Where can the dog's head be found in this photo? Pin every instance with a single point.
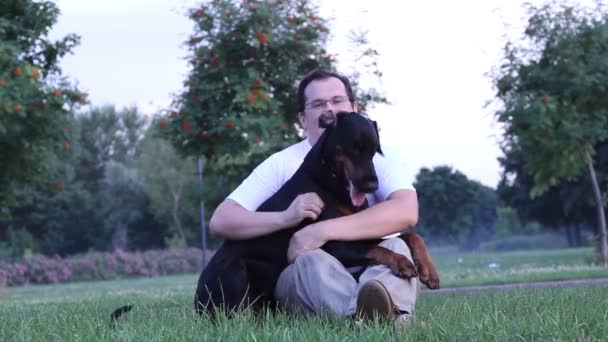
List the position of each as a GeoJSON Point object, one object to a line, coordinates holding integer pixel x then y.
{"type": "Point", "coordinates": [349, 144]}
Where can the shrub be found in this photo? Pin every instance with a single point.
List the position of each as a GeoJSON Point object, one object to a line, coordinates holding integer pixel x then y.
{"type": "Point", "coordinates": [93, 266]}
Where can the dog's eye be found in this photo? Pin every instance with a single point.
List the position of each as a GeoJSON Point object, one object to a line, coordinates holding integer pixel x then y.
{"type": "Point", "coordinates": [358, 147]}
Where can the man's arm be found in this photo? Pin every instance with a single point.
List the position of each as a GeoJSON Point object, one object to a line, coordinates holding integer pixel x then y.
{"type": "Point", "coordinates": [399, 212]}
{"type": "Point", "coordinates": [230, 220]}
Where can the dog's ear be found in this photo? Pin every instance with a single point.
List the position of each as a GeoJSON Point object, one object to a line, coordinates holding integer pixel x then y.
{"type": "Point", "coordinates": [327, 120]}
{"type": "Point", "coordinates": [379, 149]}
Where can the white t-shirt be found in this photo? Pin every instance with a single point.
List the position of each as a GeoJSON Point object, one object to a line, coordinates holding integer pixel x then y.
{"type": "Point", "coordinates": [271, 174]}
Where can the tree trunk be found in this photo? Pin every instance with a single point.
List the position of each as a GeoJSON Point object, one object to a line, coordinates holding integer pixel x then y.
{"type": "Point", "coordinates": [603, 242]}
{"type": "Point", "coordinates": [570, 235]}
{"type": "Point", "coordinates": [578, 239]}
{"type": "Point", "coordinates": [201, 165]}
{"type": "Point", "coordinates": [119, 237]}
{"type": "Point", "coordinates": [176, 220]}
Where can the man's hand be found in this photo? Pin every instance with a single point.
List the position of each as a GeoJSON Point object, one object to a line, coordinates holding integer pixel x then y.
{"type": "Point", "coordinates": [304, 240]}
{"type": "Point", "coordinates": [305, 206]}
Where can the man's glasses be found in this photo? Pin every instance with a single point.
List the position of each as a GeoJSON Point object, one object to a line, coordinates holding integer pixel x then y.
{"type": "Point", "coordinates": [318, 104]}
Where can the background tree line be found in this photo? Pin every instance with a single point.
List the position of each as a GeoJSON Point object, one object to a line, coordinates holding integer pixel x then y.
{"type": "Point", "coordinates": [104, 179]}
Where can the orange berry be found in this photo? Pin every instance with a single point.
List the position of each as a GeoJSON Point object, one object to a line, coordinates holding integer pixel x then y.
{"type": "Point", "coordinates": [17, 72]}
{"type": "Point", "coordinates": [186, 126]}
{"type": "Point", "coordinates": [57, 92]}
{"type": "Point", "coordinates": [215, 61]}
{"type": "Point", "coordinates": [35, 73]}
{"type": "Point", "coordinates": [17, 107]}
{"type": "Point", "coordinates": [261, 37]}
{"type": "Point", "coordinates": [545, 99]}
{"type": "Point", "coordinates": [57, 185]}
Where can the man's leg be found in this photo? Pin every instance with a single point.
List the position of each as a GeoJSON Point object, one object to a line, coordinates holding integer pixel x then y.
{"type": "Point", "coordinates": [403, 292]}
{"type": "Point", "coordinates": [316, 282]}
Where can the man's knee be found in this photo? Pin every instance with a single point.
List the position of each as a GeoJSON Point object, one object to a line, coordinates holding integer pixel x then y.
{"type": "Point", "coordinates": [313, 258]}
{"type": "Point", "coordinates": [397, 245]}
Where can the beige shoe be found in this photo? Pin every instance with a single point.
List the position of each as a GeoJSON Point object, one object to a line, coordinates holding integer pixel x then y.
{"type": "Point", "coordinates": [374, 300]}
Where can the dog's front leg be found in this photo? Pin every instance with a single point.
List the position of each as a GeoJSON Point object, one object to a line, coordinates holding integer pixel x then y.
{"type": "Point", "coordinates": [427, 272]}
{"type": "Point", "coordinates": [399, 264]}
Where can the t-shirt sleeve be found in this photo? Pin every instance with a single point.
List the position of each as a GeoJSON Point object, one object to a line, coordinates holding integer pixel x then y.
{"type": "Point", "coordinates": [262, 183]}
{"type": "Point", "coordinates": [393, 174]}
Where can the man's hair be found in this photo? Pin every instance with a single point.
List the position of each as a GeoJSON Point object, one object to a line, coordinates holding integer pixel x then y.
{"type": "Point", "coordinates": [321, 74]}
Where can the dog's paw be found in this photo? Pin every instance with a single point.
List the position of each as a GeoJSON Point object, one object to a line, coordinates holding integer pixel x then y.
{"type": "Point", "coordinates": [429, 277]}
{"type": "Point", "coordinates": [403, 267]}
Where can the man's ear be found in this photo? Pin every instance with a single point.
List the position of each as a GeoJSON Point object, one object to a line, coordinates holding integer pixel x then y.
{"type": "Point", "coordinates": [379, 149]}
{"type": "Point", "coordinates": [301, 118]}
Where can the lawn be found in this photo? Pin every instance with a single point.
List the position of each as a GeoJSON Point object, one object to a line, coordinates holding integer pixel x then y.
{"type": "Point", "coordinates": [464, 269]}
{"type": "Point", "coordinates": [163, 309]}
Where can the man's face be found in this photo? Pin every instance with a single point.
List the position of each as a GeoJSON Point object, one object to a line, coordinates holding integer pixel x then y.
{"type": "Point", "coordinates": [323, 96]}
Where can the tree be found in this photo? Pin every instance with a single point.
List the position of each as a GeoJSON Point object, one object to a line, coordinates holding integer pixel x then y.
{"type": "Point", "coordinates": [239, 101]}
{"type": "Point", "coordinates": [105, 135]}
{"type": "Point", "coordinates": [169, 178]}
{"type": "Point", "coordinates": [552, 88]}
{"type": "Point", "coordinates": [35, 101]}
{"type": "Point", "coordinates": [123, 200]}
{"type": "Point", "coordinates": [82, 209]}
{"type": "Point", "coordinates": [483, 217]}
{"type": "Point", "coordinates": [568, 205]}
{"type": "Point", "coordinates": [454, 208]}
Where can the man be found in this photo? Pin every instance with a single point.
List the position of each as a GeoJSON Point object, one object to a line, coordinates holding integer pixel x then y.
{"type": "Point", "coordinates": [315, 281]}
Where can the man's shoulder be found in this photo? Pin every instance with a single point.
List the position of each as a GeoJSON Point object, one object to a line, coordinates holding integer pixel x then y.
{"type": "Point", "coordinates": [296, 151]}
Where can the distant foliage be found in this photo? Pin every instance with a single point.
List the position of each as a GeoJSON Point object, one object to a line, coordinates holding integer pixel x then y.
{"type": "Point", "coordinates": [100, 266]}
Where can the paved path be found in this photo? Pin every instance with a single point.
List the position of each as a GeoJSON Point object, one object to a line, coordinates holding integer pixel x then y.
{"type": "Point", "coordinates": [543, 284]}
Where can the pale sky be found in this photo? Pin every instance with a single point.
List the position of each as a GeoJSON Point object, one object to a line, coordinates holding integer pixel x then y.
{"type": "Point", "coordinates": [433, 55]}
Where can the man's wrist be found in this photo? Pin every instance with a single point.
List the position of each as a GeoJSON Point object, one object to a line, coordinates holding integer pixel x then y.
{"type": "Point", "coordinates": [284, 220]}
{"type": "Point", "coordinates": [321, 231]}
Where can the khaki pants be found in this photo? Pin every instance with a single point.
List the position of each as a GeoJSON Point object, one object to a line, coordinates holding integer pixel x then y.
{"type": "Point", "coordinates": [317, 282]}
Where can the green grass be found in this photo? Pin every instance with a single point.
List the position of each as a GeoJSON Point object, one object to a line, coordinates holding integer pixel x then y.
{"type": "Point", "coordinates": [163, 308]}
{"type": "Point", "coordinates": [465, 269]}
{"type": "Point", "coordinates": [163, 311]}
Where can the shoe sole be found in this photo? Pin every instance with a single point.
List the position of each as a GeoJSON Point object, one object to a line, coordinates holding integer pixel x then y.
{"type": "Point", "coordinates": [374, 300]}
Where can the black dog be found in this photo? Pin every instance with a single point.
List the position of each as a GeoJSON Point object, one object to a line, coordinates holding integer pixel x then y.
{"type": "Point", "coordinates": [340, 170]}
